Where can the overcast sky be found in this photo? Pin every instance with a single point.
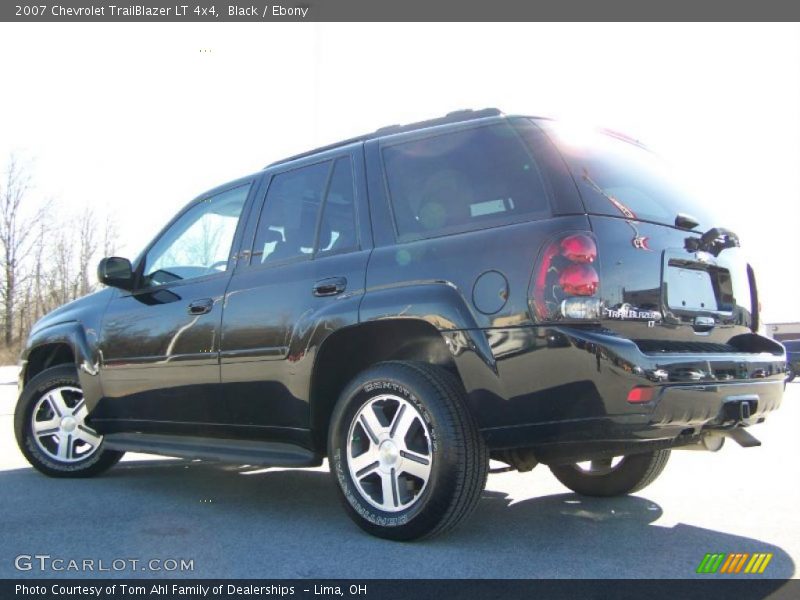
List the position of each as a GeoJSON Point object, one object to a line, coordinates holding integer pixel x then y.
{"type": "Point", "coordinates": [136, 119]}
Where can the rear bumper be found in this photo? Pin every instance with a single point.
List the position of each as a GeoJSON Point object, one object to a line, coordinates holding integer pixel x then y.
{"type": "Point", "coordinates": [562, 388]}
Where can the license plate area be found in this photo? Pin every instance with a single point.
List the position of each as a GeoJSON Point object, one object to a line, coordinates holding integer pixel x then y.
{"type": "Point", "coordinates": [698, 287]}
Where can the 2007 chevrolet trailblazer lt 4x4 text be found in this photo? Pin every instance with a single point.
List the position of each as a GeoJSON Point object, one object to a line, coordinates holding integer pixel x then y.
{"type": "Point", "coordinates": [409, 304]}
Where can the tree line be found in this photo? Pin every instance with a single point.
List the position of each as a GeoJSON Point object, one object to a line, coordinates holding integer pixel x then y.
{"type": "Point", "coordinates": [47, 255]}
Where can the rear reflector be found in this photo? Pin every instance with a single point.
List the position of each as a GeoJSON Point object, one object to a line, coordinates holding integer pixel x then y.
{"type": "Point", "coordinates": [641, 394]}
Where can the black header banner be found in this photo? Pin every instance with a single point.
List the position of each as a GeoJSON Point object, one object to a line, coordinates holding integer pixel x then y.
{"type": "Point", "coordinates": [400, 10]}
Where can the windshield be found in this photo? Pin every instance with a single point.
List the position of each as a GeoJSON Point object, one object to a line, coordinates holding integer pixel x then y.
{"type": "Point", "coordinates": [620, 178]}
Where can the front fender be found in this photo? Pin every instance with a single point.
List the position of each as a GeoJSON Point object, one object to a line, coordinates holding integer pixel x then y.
{"type": "Point", "coordinates": [82, 343]}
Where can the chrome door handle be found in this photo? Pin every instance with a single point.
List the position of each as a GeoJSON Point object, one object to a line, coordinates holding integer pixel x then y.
{"type": "Point", "coordinates": [201, 307]}
{"type": "Point", "coordinates": [330, 286]}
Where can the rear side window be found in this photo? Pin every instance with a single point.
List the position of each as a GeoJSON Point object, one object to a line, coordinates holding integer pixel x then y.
{"type": "Point", "coordinates": [461, 181]}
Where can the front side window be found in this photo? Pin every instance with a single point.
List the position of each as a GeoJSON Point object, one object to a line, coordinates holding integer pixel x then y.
{"type": "Point", "coordinates": [199, 242]}
{"type": "Point", "coordinates": [465, 180]}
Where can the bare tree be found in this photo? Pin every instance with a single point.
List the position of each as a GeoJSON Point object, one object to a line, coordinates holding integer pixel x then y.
{"type": "Point", "coordinates": [38, 272]}
{"type": "Point", "coordinates": [110, 235]}
{"type": "Point", "coordinates": [46, 258]}
{"type": "Point", "coordinates": [87, 247]}
{"type": "Point", "coordinates": [16, 229]}
{"type": "Point", "coordinates": [64, 281]}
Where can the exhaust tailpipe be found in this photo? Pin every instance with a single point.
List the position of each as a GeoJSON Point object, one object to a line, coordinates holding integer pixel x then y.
{"type": "Point", "coordinates": [711, 442]}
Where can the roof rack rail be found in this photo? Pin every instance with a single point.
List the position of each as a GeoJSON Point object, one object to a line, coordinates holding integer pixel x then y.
{"type": "Point", "coordinates": [622, 136]}
{"type": "Point", "coordinates": [452, 117]}
{"type": "Point", "coordinates": [457, 116]}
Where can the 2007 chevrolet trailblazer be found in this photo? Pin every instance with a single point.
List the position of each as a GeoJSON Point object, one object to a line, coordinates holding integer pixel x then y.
{"type": "Point", "coordinates": [409, 304]}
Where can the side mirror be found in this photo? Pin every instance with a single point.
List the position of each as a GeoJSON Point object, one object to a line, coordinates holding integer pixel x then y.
{"type": "Point", "coordinates": [116, 272]}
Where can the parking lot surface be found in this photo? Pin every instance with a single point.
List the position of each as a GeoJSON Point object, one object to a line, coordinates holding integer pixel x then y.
{"type": "Point", "coordinates": [236, 521]}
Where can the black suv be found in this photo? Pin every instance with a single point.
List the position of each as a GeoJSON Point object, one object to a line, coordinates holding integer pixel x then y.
{"type": "Point", "coordinates": [410, 304]}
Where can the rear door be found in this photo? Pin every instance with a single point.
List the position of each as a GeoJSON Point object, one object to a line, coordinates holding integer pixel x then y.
{"type": "Point", "coordinates": [300, 277]}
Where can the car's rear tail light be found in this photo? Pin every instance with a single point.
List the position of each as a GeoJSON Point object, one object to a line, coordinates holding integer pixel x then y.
{"type": "Point", "coordinates": [579, 248]}
{"type": "Point", "coordinates": [566, 282]}
{"type": "Point", "coordinates": [579, 280]}
{"type": "Point", "coordinates": [641, 394]}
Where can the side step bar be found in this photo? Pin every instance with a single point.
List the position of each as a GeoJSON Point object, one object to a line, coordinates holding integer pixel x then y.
{"type": "Point", "coordinates": [272, 454]}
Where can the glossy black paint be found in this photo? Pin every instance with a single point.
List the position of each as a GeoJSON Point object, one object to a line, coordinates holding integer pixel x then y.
{"type": "Point", "coordinates": [261, 352]}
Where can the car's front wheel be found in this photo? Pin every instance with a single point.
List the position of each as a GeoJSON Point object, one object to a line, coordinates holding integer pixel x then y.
{"type": "Point", "coordinates": [51, 428]}
{"type": "Point", "coordinates": [405, 452]}
{"type": "Point", "coordinates": [612, 476]}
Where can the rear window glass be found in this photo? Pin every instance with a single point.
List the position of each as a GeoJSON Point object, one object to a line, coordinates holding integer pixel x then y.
{"type": "Point", "coordinates": [620, 178]}
{"type": "Point", "coordinates": [464, 180]}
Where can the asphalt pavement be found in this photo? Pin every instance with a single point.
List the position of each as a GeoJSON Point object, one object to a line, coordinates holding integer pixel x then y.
{"type": "Point", "coordinates": [234, 521]}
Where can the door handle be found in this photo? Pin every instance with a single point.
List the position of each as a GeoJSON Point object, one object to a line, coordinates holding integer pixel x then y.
{"type": "Point", "coordinates": [201, 307]}
{"type": "Point", "coordinates": [330, 286]}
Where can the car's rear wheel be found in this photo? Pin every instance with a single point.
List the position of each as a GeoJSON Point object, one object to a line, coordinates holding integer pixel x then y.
{"type": "Point", "coordinates": [612, 476]}
{"type": "Point", "coordinates": [790, 374]}
{"type": "Point", "coordinates": [51, 428]}
{"type": "Point", "coordinates": [405, 452]}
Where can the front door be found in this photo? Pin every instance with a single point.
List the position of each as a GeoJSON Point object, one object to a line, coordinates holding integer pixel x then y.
{"type": "Point", "coordinates": [159, 344]}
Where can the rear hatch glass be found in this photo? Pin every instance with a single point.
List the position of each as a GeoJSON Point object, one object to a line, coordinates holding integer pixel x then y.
{"type": "Point", "coordinates": [619, 177]}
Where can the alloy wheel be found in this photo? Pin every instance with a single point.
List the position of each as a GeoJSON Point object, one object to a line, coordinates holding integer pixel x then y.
{"type": "Point", "coordinates": [389, 453]}
{"type": "Point", "coordinates": [59, 428]}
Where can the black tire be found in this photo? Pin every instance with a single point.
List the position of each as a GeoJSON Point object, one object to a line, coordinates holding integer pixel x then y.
{"type": "Point", "coordinates": [631, 474]}
{"type": "Point", "coordinates": [459, 460]}
{"type": "Point", "coordinates": [790, 375]}
{"type": "Point", "coordinates": [97, 461]}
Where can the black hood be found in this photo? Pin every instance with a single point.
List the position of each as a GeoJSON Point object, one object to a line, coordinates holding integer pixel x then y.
{"type": "Point", "coordinates": [75, 310]}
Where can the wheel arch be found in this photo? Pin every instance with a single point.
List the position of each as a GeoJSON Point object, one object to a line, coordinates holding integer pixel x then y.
{"type": "Point", "coordinates": [46, 355]}
{"type": "Point", "coordinates": [337, 363]}
{"type": "Point", "coordinates": [64, 343]}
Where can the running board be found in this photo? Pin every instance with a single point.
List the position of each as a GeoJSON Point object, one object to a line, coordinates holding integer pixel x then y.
{"type": "Point", "coordinates": [250, 452]}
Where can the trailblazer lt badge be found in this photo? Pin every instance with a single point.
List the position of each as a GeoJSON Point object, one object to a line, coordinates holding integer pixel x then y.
{"type": "Point", "coordinates": [628, 312]}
